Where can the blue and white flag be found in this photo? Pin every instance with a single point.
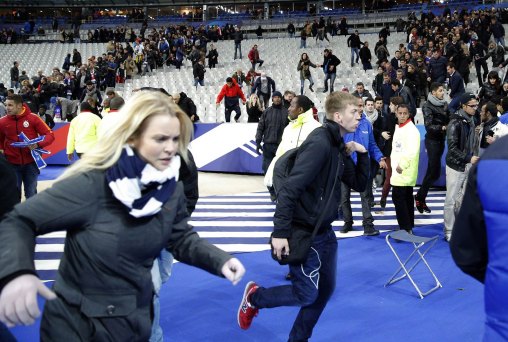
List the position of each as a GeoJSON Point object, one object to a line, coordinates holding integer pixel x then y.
{"type": "Point", "coordinates": [36, 152]}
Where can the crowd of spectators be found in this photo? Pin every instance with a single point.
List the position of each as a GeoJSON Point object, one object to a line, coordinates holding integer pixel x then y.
{"type": "Point", "coordinates": [433, 43]}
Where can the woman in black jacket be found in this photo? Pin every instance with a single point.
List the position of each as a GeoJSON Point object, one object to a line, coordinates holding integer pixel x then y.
{"type": "Point", "coordinates": [123, 205]}
{"type": "Point", "coordinates": [490, 88]}
{"type": "Point", "coordinates": [254, 108]}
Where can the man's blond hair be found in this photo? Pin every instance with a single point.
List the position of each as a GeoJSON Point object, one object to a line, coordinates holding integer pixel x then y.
{"type": "Point", "coordinates": [338, 102]}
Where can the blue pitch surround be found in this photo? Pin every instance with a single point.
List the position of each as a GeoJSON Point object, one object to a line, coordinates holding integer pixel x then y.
{"type": "Point", "coordinates": [199, 307]}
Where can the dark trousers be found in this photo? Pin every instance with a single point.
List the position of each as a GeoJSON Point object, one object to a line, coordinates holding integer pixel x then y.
{"type": "Point", "coordinates": [257, 61]}
{"type": "Point", "coordinates": [435, 150]}
{"type": "Point", "coordinates": [238, 48]}
{"type": "Point", "coordinates": [268, 155]}
{"type": "Point", "coordinates": [27, 175]}
{"type": "Point", "coordinates": [5, 334]}
{"type": "Point", "coordinates": [236, 109]}
{"type": "Point", "coordinates": [312, 285]}
{"type": "Point", "coordinates": [402, 197]}
{"type": "Point", "coordinates": [345, 204]}
{"type": "Point", "coordinates": [479, 65]}
{"type": "Point", "coordinates": [388, 175]}
{"type": "Point", "coordinates": [374, 166]}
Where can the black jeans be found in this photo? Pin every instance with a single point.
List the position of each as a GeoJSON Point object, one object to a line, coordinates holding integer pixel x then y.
{"type": "Point", "coordinates": [268, 155]}
{"type": "Point", "coordinates": [435, 150]}
{"type": "Point", "coordinates": [479, 65]}
{"type": "Point", "coordinates": [402, 197]}
{"type": "Point", "coordinates": [236, 109]}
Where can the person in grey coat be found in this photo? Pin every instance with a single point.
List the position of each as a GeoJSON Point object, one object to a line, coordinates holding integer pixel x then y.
{"type": "Point", "coordinates": [121, 204]}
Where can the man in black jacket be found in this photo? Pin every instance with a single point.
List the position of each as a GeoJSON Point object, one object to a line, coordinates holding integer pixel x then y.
{"type": "Point", "coordinates": [436, 117]}
{"type": "Point", "coordinates": [461, 154]}
{"type": "Point", "coordinates": [198, 71]}
{"type": "Point", "coordinates": [477, 50]}
{"type": "Point", "coordinates": [330, 64]}
{"type": "Point", "coordinates": [456, 85]}
{"type": "Point", "coordinates": [312, 189]}
{"type": "Point", "coordinates": [238, 37]}
{"type": "Point", "coordinates": [270, 128]}
{"type": "Point", "coordinates": [354, 43]}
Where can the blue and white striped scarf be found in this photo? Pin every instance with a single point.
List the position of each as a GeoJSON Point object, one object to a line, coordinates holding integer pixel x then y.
{"type": "Point", "coordinates": [139, 186]}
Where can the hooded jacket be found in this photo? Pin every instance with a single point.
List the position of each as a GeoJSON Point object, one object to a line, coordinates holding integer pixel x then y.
{"type": "Point", "coordinates": [478, 243]}
{"type": "Point", "coordinates": [293, 136]}
{"type": "Point", "coordinates": [30, 124]}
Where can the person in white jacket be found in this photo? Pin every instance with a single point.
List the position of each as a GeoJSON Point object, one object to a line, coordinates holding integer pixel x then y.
{"type": "Point", "coordinates": [301, 124]}
{"type": "Point", "coordinates": [404, 158]}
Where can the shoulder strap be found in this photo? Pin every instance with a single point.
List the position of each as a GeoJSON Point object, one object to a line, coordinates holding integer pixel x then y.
{"type": "Point", "coordinates": [323, 212]}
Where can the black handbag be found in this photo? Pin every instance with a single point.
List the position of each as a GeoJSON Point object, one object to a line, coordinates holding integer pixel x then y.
{"type": "Point", "coordinates": [301, 240]}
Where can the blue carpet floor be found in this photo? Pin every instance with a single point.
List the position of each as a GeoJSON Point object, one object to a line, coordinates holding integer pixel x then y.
{"type": "Point", "coordinates": [196, 306]}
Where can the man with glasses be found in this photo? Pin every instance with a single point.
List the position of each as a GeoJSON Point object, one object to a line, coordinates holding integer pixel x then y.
{"type": "Point", "coordinates": [462, 153]}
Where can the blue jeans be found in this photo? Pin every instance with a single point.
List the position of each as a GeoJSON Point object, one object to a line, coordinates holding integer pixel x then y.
{"type": "Point", "coordinates": [355, 51]}
{"type": "Point", "coordinates": [312, 285]}
{"type": "Point", "coordinates": [330, 77]}
{"type": "Point", "coordinates": [303, 43]}
{"type": "Point", "coordinates": [499, 41]}
{"type": "Point", "coordinates": [200, 82]}
{"type": "Point", "coordinates": [302, 83]}
{"type": "Point", "coordinates": [238, 47]}
{"type": "Point", "coordinates": [161, 271]}
{"type": "Point", "coordinates": [27, 175]}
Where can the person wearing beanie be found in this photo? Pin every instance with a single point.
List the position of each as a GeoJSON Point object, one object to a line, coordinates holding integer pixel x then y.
{"type": "Point", "coordinates": [263, 87]}
{"type": "Point", "coordinates": [270, 128]}
{"type": "Point", "coordinates": [231, 92]}
{"type": "Point", "coordinates": [462, 153]}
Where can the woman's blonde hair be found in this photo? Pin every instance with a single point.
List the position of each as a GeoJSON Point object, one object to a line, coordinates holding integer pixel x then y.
{"type": "Point", "coordinates": [131, 122]}
{"type": "Point", "coordinates": [254, 98]}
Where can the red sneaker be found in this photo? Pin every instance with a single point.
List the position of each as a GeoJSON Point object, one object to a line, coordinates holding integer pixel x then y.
{"type": "Point", "coordinates": [246, 312]}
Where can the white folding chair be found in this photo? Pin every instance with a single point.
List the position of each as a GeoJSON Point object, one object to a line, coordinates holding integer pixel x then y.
{"type": "Point", "coordinates": [422, 245]}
